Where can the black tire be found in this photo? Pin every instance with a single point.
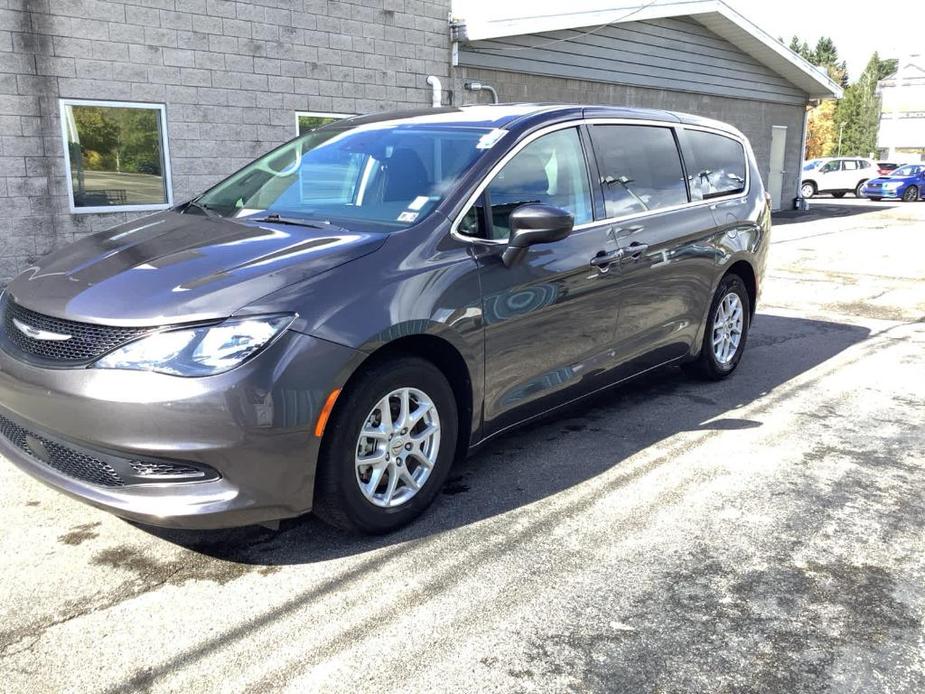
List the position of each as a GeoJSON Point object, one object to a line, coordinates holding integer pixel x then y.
{"type": "Point", "coordinates": [838, 195]}
{"type": "Point", "coordinates": [338, 499]}
{"type": "Point", "coordinates": [911, 194]}
{"type": "Point", "coordinates": [857, 189]}
{"type": "Point", "coordinates": [808, 189]}
{"type": "Point", "coordinates": [706, 366]}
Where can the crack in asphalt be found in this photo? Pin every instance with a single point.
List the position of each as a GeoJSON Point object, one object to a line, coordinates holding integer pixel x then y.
{"type": "Point", "coordinates": [37, 631]}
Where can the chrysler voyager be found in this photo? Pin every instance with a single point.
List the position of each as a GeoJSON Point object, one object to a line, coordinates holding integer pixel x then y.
{"type": "Point", "coordinates": [329, 328]}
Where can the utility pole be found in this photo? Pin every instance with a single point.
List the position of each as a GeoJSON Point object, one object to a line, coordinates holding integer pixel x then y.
{"type": "Point", "coordinates": [838, 149]}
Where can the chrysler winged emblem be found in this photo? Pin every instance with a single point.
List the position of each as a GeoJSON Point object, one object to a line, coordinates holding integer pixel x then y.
{"type": "Point", "coordinates": [37, 334]}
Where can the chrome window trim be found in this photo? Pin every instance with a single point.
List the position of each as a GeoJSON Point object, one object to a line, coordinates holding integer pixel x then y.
{"type": "Point", "coordinates": [454, 232]}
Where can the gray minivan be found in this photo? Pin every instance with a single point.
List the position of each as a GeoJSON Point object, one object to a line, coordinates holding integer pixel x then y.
{"type": "Point", "coordinates": [330, 327]}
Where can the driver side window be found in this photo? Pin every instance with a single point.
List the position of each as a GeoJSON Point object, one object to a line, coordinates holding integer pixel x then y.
{"type": "Point", "coordinates": [550, 170]}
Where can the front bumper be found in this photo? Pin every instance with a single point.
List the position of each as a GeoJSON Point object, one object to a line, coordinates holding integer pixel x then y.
{"type": "Point", "coordinates": [882, 192]}
{"type": "Point", "coordinates": [253, 425]}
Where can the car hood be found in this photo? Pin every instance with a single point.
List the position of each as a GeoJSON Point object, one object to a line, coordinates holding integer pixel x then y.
{"type": "Point", "coordinates": [887, 179]}
{"type": "Point", "coordinates": [173, 267]}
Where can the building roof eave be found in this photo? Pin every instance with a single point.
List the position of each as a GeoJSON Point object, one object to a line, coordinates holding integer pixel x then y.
{"type": "Point", "coordinates": [715, 15]}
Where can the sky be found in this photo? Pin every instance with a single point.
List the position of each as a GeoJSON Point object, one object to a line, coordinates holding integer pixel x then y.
{"type": "Point", "coordinates": [856, 33]}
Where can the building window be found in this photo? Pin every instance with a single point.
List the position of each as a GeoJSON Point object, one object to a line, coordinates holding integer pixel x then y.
{"type": "Point", "coordinates": [116, 156]}
{"type": "Point", "coordinates": [305, 120]}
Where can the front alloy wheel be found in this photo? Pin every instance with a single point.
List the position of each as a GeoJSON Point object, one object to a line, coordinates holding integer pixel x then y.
{"type": "Point", "coordinates": [388, 446]}
{"type": "Point", "coordinates": [807, 190]}
{"type": "Point", "coordinates": [397, 447]}
{"type": "Point", "coordinates": [911, 194]}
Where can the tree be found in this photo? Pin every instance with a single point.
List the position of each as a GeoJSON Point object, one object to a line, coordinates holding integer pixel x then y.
{"type": "Point", "coordinates": [822, 131]}
{"type": "Point", "coordinates": [825, 55]}
{"type": "Point", "coordinates": [802, 49]}
{"type": "Point", "coordinates": [858, 115]}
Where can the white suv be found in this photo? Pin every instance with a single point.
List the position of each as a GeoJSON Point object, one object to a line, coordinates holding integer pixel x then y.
{"type": "Point", "coordinates": [836, 176]}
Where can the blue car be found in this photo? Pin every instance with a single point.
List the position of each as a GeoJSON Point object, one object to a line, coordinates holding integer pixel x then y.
{"type": "Point", "coordinates": [906, 183]}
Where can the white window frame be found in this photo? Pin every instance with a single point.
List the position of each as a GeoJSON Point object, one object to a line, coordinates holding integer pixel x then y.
{"type": "Point", "coordinates": [318, 114]}
{"type": "Point", "coordinates": [165, 155]}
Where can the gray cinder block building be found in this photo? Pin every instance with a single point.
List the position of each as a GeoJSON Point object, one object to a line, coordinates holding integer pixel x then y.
{"type": "Point", "coordinates": [112, 109]}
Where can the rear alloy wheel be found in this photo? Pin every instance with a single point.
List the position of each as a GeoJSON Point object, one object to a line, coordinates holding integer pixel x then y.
{"type": "Point", "coordinates": [725, 332]}
{"type": "Point", "coordinates": [388, 446]}
{"type": "Point", "coordinates": [808, 190]}
{"type": "Point", "coordinates": [857, 189]}
{"type": "Point", "coordinates": [911, 194]}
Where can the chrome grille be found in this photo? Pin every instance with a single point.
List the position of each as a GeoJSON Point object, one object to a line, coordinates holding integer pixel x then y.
{"type": "Point", "coordinates": [144, 468]}
{"type": "Point", "coordinates": [87, 341]}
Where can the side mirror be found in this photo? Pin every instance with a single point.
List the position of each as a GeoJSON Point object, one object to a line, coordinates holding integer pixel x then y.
{"type": "Point", "coordinates": [535, 223]}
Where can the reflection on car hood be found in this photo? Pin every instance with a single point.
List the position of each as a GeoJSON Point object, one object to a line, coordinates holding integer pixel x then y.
{"type": "Point", "coordinates": [172, 268]}
{"type": "Point", "coordinates": [887, 179]}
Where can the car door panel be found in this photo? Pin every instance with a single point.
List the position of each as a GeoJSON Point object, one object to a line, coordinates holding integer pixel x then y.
{"type": "Point", "coordinates": [829, 177]}
{"type": "Point", "coordinates": [851, 174]}
{"type": "Point", "coordinates": [663, 275]}
{"type": "Point", "coordinates": [549, 317]}
{"type": "Point", "coordinates": [663, 290]}
{"type": "Point", "coordinates": [548, 323]}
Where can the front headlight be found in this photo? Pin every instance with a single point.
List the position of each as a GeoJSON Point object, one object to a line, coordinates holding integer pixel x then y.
{"type": "Point", "coordinates": [200, 351]}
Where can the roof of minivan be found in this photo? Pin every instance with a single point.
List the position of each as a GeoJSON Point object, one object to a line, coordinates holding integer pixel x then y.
{"type": "Point", "coordinates": [505, 115]}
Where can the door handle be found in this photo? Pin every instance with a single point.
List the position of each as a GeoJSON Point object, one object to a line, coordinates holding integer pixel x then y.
{"type": "Point", "coordinates": [605, 259]}
{"type": "Point", "coordinates": [634, 251]}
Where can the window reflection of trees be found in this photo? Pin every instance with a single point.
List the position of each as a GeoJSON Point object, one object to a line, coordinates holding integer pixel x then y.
{"type": "Point", "coordinates": [115, 155]}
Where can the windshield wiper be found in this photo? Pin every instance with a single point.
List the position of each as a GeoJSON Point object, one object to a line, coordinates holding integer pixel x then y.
{"type": "Point", "coordinates": [205, 209]}
{"type": "Point", "coordinates": [295, 221]}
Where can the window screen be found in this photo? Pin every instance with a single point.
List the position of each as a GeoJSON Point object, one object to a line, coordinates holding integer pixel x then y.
{"type": "Point", "coordinates": [718, 167]}
{"type": "Point", "coordinates": [640, 168]}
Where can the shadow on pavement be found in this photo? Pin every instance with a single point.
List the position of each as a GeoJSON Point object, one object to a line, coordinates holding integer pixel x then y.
{"type": "Point", "coordinates": [819, 209]}
{"type": "Point", "coordinates": [561, 451]}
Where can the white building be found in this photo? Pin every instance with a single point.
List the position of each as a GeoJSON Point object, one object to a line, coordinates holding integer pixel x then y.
{"type": "Point", "coordinates": [902, 112]}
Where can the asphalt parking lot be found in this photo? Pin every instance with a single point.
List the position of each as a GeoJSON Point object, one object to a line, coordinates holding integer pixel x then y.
{"type": "Point", "coordinates": [766, 533]}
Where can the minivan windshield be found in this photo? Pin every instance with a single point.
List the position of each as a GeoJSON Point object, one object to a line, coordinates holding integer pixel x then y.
{"type": "Point", "coordinates": [382, 175]}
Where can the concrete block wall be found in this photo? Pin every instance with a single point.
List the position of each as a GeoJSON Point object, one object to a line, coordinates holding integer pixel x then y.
{"type": "Point", "coordinates": [232, 76]}
{"type": "Point", "coordinates": [753, 118]}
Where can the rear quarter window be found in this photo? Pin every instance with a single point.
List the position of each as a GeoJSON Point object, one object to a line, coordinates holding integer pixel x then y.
{"type": "Point", "coordinates": [718, 166]}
